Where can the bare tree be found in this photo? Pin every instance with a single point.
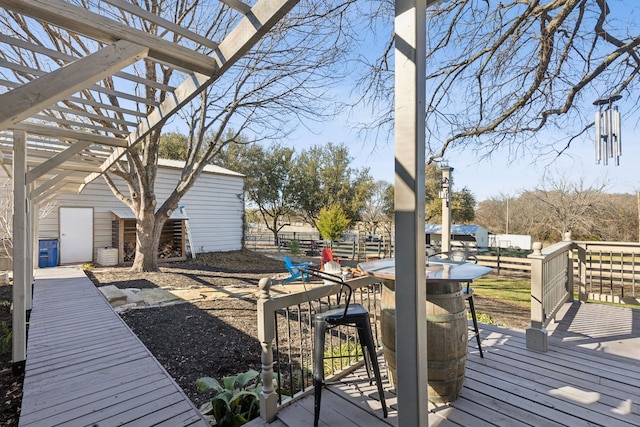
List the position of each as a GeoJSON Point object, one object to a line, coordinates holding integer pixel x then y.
{"type": "Point", "coordinates": [498, 73]}
{"type": "Point", "coordinates": [6, 215]}
{"type": "Point", "coordinates": [378, 210]}
{"type": "Point", "coordinates": [267, 92]}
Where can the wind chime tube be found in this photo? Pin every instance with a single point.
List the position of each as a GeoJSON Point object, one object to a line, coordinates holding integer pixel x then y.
{"type": "Point", "coordinates": [617, 122]}
{"type": "Point", "coordinates": [611, 140]}
{"type": "Point", "coordinates": [598, 139]}
{"type": "Point", "coordinates": [604, 138]}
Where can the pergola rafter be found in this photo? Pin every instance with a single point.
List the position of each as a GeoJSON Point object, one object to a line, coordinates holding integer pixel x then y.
{"type": "Point", "coordinates": [66, 119]}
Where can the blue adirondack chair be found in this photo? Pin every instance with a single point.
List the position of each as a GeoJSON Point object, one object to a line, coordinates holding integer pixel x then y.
{"type": "Point", "coordinates": [294, 271]}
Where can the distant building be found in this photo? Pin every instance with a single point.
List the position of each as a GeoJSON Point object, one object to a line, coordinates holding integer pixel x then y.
{"type": "Point", "coordinates": [511, 241]}
{"type": "Point", "coordinates": [469, 236]}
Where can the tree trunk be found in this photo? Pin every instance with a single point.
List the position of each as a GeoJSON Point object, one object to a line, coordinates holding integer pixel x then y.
{"type": "Point", "coordinates": [148, 231]}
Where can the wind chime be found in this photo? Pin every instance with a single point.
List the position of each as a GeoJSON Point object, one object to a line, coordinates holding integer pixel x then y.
{"type": "Point", "coordinates": [608, 138]}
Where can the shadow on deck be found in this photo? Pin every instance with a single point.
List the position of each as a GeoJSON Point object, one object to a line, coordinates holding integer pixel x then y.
{"type": "Point", "coordinates": [589, 377]}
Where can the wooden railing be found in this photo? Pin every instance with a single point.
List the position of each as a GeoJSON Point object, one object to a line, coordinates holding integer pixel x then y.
{"type": "Point", "coordinates": [551, 286]}
{"type": "Point", "coordinates": [361, 251]}
{"type": "Point", "coordinates": [285, 331]}
{"type": "Point", "coordinates": [610, 271]}
{"type": "Point", "coordinates": [506, 264]}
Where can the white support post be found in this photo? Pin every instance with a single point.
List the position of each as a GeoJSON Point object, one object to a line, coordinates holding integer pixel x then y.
{"type": "Point", "coordinates": [410, 98]}
{"type": "Point", "coordinates": [19, 342]}
{"type": "Point", "coordinates": [29, 248]}
{"type": "Point", "coordinates": [446, 209]}
{"type": "Point", "coordinates": [582, 273]}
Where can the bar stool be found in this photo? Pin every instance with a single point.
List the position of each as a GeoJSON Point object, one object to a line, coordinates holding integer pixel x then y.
{"type": "Point", "coordinates": [347, 314]}
{"type": "Point", "coordinates": [462, 256]}
{"type": "Point", "coordinates": [468, 294]}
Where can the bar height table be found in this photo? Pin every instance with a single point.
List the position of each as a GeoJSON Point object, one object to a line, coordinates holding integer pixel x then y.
{"type": "Point", "coordinates": [447, 328]}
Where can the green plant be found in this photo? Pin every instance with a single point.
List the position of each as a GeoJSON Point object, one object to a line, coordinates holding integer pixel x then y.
{"type": "Point", "coordinates": [332, 222]}
{"type": "Point", "coordinates": [5, 338]}
{"type": "Point", "coordinates": [237, 399]}
{"type": "Point", "coordinates": [294, 247]}
{"type": "Point", "coordinates": [87, 266]}
{"type": "Point", "coordinates": [483, 318]}
{"type": "Point", "coordinates": [339, 357]}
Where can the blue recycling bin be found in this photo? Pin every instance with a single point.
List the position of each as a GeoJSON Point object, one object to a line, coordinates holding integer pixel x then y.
{"type": "Point", "coordinates": [47, 253]}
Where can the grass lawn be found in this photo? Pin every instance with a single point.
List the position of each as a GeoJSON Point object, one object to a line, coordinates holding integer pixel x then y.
{"type": "Point", "coordinates": [510, 289]}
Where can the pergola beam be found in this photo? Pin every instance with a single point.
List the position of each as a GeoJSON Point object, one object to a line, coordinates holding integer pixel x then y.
{"type": "Point", "coordinates": [66, 15]}
{"type": "Point", "coordinates": [50, 183]}
{"type": "Point", "coordinates": [56, 161]}
{"type": "Point", "coordinates": [33, 97]}
{"type": "Point", "coordinates": [264, 15]}
{"type": "Point", "coordinates": [69, 135]}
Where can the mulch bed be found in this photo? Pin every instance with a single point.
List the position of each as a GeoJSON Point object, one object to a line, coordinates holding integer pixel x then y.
{"type": "Point", "coordinates": [10, 385]}
{"type": "Point", "coordinates": [201, 338]}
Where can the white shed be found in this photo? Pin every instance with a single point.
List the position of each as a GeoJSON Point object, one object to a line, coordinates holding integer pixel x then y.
{"type": "Point", "coordinates": [84, 223]}
{"type": "Point", "coordinates": [516, 241]}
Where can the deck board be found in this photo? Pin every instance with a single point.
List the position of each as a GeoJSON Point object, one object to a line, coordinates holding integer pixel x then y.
{"type": "Point", "coordinates": [86, 367]}
{"type": "Point", "coordinates": [589, 377]}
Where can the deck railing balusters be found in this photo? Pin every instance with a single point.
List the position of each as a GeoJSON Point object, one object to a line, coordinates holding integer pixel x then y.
{"type": "Point", "coordinates": [603, 267]}
{"type": "Point", "coordinates": [273, 310]}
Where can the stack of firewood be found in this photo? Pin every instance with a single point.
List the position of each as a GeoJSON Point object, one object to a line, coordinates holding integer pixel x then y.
{"type": "Point", "coordinates": [129, 251]}
{"type": "Point", "coordinates": [167, 250]}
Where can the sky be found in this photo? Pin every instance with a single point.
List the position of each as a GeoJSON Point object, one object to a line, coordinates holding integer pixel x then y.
{"type": "Point", "coordinates": [498, 175]}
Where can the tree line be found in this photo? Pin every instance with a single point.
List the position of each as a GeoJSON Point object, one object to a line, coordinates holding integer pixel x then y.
{"type": "Point", "coordinates": [559, 205]}
{"type": "Point", "coordinates": [319, 186]}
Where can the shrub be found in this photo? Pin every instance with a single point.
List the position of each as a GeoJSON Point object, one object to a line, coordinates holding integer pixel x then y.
{"type": "Point", "coordinates": [237, 399]}
{"type": "Point", "coordinates": [332, 222]}
{"type": "Point", "coordinates": [294, 247]}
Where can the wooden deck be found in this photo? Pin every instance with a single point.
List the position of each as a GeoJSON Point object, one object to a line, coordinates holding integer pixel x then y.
{"type": "Point", "coordinates": [589, 377]}
{"type": "Point", "coordinates": [85, 367]}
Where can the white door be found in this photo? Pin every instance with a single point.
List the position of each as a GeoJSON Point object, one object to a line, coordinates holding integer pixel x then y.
{"type": "Point", "coordinates": [76, 235]}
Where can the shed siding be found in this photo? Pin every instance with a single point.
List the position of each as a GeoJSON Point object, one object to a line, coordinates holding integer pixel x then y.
{"type": "Point", "coordinates": [214, 206]}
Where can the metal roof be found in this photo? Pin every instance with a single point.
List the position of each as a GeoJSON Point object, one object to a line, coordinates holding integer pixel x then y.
{"type": "Point", "coordinates": [126, 213]}
{"type": "Point", "coordinates": [470, 229]}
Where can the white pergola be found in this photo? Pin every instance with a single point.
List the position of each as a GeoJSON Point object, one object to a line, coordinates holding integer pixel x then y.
{"type": "Point", "coordinates": [61, 127]}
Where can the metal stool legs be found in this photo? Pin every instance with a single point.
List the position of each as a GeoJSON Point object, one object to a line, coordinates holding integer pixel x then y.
{"type": "Point", "coordinates": [356, 316]}
{"type": "Point", "coordinates": [469, 296]}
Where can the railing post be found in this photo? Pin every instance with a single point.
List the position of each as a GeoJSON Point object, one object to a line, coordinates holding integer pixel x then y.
{"type": "Point", "coordinates": [266, 328]}
{"type": "Point", "coordinates": [582, 273]}
{"type": "Point", "coordinates": [536, 334]}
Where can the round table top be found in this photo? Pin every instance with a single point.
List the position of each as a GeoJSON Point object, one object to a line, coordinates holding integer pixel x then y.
{"type": "Point", "coordinates": [439, 269]}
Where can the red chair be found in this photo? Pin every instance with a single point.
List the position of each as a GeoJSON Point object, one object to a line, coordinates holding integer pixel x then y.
{"type": "Point", "coordinates": [326, 256]}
